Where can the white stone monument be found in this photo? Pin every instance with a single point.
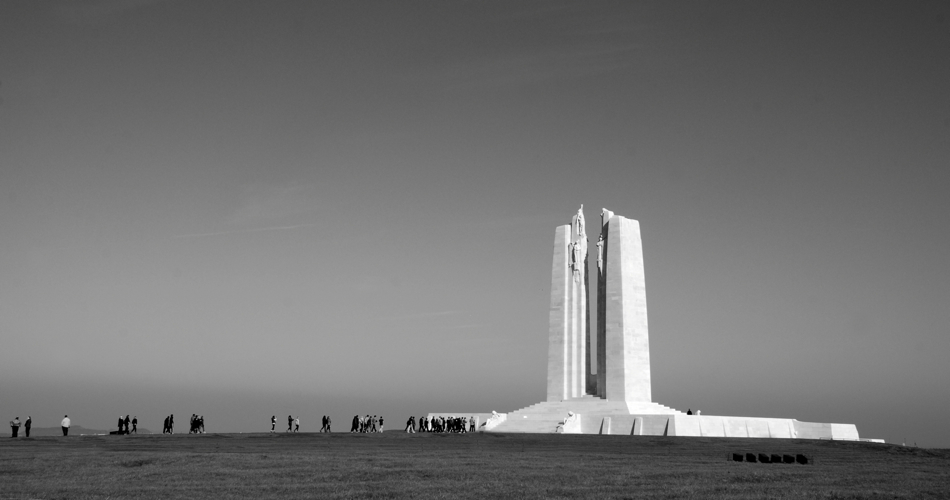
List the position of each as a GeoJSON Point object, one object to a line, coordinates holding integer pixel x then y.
{"type": "Point", "coordinates": [611, 394]}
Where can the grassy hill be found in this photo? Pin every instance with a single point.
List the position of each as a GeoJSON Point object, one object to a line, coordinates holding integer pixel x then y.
{"type": "Point", "coordinates": [477, 466]}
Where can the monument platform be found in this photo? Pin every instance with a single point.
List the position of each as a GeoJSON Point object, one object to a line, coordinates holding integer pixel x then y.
{"type": "Point", "coordinates": [601, 416]}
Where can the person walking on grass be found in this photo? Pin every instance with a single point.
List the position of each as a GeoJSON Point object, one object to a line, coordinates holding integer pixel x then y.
{"type": "Point", "coordinates": [273, 423]}
{"type": "Point", "coordinates": [290, 423]}
{"type": "Point", "coordinates": [297, 424]}
{"type": "Point", "coordinates": [65, 424]}
{"type": "Point", "coordinates": [135, 424]}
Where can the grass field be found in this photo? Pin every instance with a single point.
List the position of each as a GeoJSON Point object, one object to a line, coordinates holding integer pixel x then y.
{"type": "Point", "coordinates": [483, 466]}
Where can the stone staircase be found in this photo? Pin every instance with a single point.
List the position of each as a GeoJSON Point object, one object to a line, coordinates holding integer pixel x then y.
{"type": "Point", "coordinates": [545, 416]}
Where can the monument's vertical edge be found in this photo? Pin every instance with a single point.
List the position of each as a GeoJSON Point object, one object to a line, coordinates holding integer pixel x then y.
{"type": "Point", "coordinates": [558, 316]}
{"type": "Point", "coordinates": [627, 335]}
{"type": "Point", "coordinates": [601, 357]}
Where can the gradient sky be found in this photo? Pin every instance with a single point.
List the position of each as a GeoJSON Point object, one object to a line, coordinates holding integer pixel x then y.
{"type": "Point", "coordinates": [241, 209]}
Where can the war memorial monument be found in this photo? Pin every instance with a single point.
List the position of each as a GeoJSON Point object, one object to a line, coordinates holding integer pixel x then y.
{"type": "Point", "coordinates": [616, 397]}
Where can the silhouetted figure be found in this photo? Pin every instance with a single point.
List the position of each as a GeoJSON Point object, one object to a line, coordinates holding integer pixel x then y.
{"type": "Point", "coordinates": [273, 423]}
{"type": "Point", "coordinates": [290, 423]}
{"type": "Point", "coordinates": [165, 426]}
{"type": "Point", "coordinates": [65, 424]}
{"type": "Point", "coordinates": [15, 426]}
{"type": "Point", "coordinates": [27, 425]}
{"type": "Point", "coordinates": [135, 425]}
{"type": "Point", "coordinates": [297, 424]}
{"type": "Point", "coordinates": [356, 424]}
{"type": "Point", "coordinates": [689, 412]}
{"type": "Point", "coordinates": [126, 421]}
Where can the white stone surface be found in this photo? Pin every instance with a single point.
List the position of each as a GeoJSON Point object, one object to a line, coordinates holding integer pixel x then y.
{"type": "Point", "coordinates": [627, 337]}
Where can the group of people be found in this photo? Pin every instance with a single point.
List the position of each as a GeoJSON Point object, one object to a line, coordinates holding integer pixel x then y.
{"type": "Point", "coordinates": [169, 426]}
{"type": "Point", "coordinates": [197, 424]}
{"type": "Point", "coordinates": [28, 423]}
{"type": "Point", "coordinates": [453, 424]}
{"type": "Point", "coordinates": [293, 424]}
{"type": "Point", "coordinates": [124, 425]}
{"type": "Point", "coordinates": [15, 426]}
{"type": "Point", "coordinates": [367, 424]}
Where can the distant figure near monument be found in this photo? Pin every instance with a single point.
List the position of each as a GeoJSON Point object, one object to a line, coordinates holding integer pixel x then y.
{"type": "Point", "coordinates": [610, 391]}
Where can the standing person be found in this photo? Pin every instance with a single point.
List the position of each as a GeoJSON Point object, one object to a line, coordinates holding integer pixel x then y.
{"type": "Point", "coordinates": [121, 420]}
{"type": "Point", "coordinates": [356, 424]}
{"type": "Point", "coordinates": [323, 424]}
{"type": "Point", "coordinates": [328, 423]}
{"type": "Point", "coordinates": [135, 425]}
{"type": "Point", "coordinates": [171, 423]}
{"type": "Point", "coordinates": [15, 426]}
{"type": "Point", "coordinates": [127, 420]}
{"type": "Point", "coordinates": [273, 423]}
{"type": "Point", "coordinates": [411, 425]}
{"type": "Point", "coordinates": [27, 425]}
{"type": "Point", "coordinates": [380, 424]}
{"type": "Point", "coordinates": [165, 426]}
{"type": "Point", "coordinates": [297, 424]}
{"type": "Point", "coordinates": [66, 423]}
{"type": "Point", "coordinates": [201, 423]}
{"type": "Point", "coordinates": [471, 424]}
{"type": "Point", "coordinates": [290, 423]}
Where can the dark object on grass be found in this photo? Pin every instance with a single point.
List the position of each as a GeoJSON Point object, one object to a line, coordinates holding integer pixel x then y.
{"type": "Point", "coordinates": [737, 457]}
{"type": "Point", "coordinates": [750, 457]}
{"type": "Point", "coordinates": [802, 459]}
{"type": "Point", "coordinates": [776, 459]}
{"type": "Point", "coordinates": [764, 458]}
{"type": "Point", "coordinates": [788, 459]}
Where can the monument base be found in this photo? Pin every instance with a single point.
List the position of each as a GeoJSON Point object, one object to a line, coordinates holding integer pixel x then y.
{"type": "Point", "coordinates": [601, 416]}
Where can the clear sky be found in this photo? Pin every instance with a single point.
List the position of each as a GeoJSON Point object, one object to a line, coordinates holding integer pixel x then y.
{"type": "Point", "coordinates": [246, 209]}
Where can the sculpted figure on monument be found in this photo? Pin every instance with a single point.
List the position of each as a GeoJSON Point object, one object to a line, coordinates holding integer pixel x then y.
{"type": "Point", "coordinates": [580, 221]}
{"type": "Point", "coordinates": [577, 259]}
{"type": "Point", "coordinates": [600, 254]}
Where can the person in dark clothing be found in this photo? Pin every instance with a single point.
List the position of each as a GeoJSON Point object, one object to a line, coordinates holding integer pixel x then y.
{"type": "Point", "coordinates": [689, 412]}
{"type": "Point", "coordinates": [135, 424]}
{"type": "Point", "coordinates": [356, 424]}
{"type": "Point", "coordinates": [27, 425]}
{"type": "Point", "coordinates": [127, 424]}
{"type": "Point", "coordinates": [290, 423]}
{"type": "Point", "coordinates": [15, 426]}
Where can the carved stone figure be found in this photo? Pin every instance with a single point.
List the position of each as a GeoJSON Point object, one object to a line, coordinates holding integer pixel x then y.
{"type": "Point", "coordinates": [580, 222]}
{"type": "Point", "coordinates": [600, 254]}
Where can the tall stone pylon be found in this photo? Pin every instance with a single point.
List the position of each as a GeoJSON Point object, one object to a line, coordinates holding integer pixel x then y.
{"type": "Point", "coordinates": [622, 327]}
{"type": "Point", "coordinates": [569, 375]}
